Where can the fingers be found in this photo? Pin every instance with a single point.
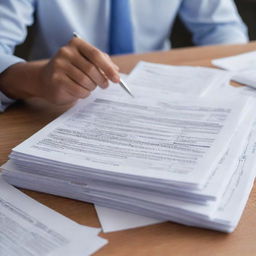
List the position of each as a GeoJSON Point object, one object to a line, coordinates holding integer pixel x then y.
{"type": "Point", "coordinates": [77, 92]}
{"type": "Point", "coordinates": [97, 58]}
{"type": "Point", "coordinates": [80, 78]}
{"type": "Point", "coordinates": [63, 90]}
{"type": "Point", "coordinates": [75, 71]}
{"type": "Point", "coordinates": [89, 70]}
{"type": "Point", "coordinates": [115, 66]}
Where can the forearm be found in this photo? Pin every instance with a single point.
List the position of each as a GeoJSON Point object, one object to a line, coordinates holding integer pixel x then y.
{"type": "Point", "coordinates": [22, 80]}
{"type": "Point", "coordinates": [15, 16]}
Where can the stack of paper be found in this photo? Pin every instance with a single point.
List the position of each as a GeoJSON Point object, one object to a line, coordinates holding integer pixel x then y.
{"type": "Point", "coordinates": [29, 228]}
{"type": "Point", "coordinates": [184, 159]}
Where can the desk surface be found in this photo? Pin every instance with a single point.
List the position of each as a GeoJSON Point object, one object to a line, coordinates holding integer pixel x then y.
{"type": "Point", "coordinates": [23, 119]}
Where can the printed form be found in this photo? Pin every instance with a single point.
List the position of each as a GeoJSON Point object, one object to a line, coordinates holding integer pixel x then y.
{"type": "Point", "coordinates": [148, 79]}
{"type": "Point", "coordinates": [172, 142]}
{"type": "Point", "coordinates": [29, 228]}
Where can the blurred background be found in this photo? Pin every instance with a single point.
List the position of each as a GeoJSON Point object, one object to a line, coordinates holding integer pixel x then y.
{"type": "Point", "coordinates": [247, 8]}
{"type": "Point", "coordinates": [180, 36]}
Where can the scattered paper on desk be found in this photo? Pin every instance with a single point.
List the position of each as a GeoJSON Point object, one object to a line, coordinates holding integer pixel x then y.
{"type": "Point", "coordinates": [243, 67]}
{"type": "Point", "coordinates": [239, 62]}
{"type": "Point", "coordinates": [29, 228]}
{"type": "Point", "coordinates": [246, 77]}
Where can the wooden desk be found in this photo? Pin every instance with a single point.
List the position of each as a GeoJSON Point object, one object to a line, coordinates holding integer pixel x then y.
{"type": "Point", "coordinates": [23, 119]}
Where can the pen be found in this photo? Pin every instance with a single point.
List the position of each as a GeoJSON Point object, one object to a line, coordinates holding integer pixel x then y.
{"type": "Point", "coordinates": [121, 83]}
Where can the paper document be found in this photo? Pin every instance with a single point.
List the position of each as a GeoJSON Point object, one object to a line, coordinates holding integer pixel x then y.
{"type": "Point", "coordinates": [167, 79]}
{"type": "Point", "coordinates": [163, 154]}
{"type": "Point", "coordinates": [215, 186]}
{"type": "Point", "coordinates": [246, 77]}
{"type": "Point", "coordinates": [239, 62]}
{"type": "Point", "coordinates": [233, 202]}
{"type": "Point", "coordinates": [28, 228]}
{"type": "Point", "coordinates": [164, 81]}
{"type": "Point", "coordinates": [231, 91]}
{"type": "Point", "coordinates": [243, 67]}
{"type": "Point", "coordinates": [171, 142]}
{"type": "Point", "coordinates": [114, 220]}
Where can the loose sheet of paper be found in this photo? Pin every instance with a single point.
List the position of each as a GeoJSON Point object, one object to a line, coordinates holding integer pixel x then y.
{"type": "Point", "coordinates": [28, 228]}
{"type": "Point", "coordinates": [163, 81]}
{"type": "Point", "coordinates": [114, 220]}
{"type": "Point", "coordinates": [167, 79]}
{"type": "Point", "coordinates": [246, 77]}
{"type": "Point", "coordinates": [243, 67]}
{"type": "Point", "coordinates": [239, 62]}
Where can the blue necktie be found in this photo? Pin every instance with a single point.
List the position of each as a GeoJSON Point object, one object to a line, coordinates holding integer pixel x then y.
{"type": "Point", "coordinates": [120, 29]}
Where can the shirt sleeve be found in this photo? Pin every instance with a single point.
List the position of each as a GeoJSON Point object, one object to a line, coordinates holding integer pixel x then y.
{"type": "Point", "coordinates": [15, 16]}
{"type": "Point", "coordinates": [213, 22]}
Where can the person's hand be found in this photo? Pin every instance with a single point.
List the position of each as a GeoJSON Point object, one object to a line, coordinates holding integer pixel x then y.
{"type": "Point", "coordinates": [75, 71]}
{"type": "Point", "coordinates": [71, 74]}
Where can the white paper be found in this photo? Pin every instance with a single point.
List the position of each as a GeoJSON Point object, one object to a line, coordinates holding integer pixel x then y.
{"type": "Point", "coordinates": [225, 219]}
{"type": "Point", "coordinates": [243, 67]}
{"type": "Point", "coordinates": [246, 77]}
{"type": "Point", "coordinates": [238, 62]}
{"type": "Point", "coordinates": [116, 138]}
{"type": "Point", "coordinates": [233, 202]}
{"type": "Point", "coordinates": [201, 210]}
{"type": "Point", "coordinates": [237, 192]}
{"type": "Point", "coordinates": [231, 91]}
{"type": "Point", "coordinates": [175, 79]}
{"type": "Point", "coordinates": [29, 228]}
{"type": "Point", "coordinates": [114, 220]}
{"type": "Point", "coordinates": [164, 81]}
{"type": "Point", "coordinates": [114, 133]}
{"type": "Point", "coordinates": [215, 183]}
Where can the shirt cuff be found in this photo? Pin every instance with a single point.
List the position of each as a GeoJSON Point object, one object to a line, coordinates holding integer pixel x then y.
{"type": "Point", "coordinates": [6, 60]}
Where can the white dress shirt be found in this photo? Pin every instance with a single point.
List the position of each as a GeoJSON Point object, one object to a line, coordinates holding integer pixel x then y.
{"type": "Point", "coordinates": [210, 21]}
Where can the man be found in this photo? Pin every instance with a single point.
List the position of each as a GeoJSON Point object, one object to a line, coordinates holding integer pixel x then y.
{"type": "Point", "coordinates": [63, 69]}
